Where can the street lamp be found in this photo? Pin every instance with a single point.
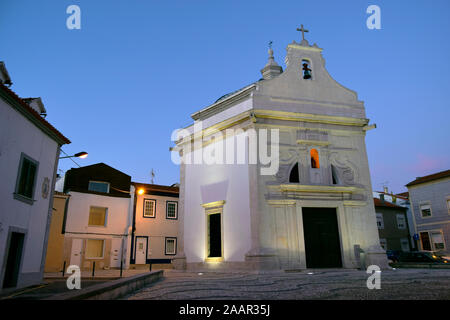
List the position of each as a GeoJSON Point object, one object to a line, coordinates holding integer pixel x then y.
{"type": "Point", "coordinates": [81, 155]}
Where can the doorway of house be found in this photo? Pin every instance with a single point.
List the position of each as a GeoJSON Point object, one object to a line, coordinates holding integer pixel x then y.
{"type": "Point", "coordinates": [322, 243]}
{"type": "Point", "coordinates": [13, 260]}
{"type": "Point", "coordinates": [141, 250]}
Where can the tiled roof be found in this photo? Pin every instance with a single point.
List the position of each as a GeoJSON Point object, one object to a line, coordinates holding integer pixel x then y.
{"type": "Point", "coordinates": [403, 195]}
{"type": "Point", "coordinates": [379, 203]}
{"type": "Point", "coordinates": [431, 177]}
{"type": "Point", "coordinates": [29, 110]}
{"type": "Point", "coordinates": [156, 187]}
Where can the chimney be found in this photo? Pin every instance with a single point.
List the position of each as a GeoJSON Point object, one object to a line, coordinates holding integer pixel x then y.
{"type": "Point", "coordinates": [385, 189]}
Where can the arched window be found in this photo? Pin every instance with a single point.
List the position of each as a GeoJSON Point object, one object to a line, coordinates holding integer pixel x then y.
{"type": "Point", "coordinates": [294, 176]}
{"type": "Point", "coordinates": [306, 69]}
{"type": "Point", "coordinates": [334, 175]}
{"type": "Point", "coordinates": [314, 158]}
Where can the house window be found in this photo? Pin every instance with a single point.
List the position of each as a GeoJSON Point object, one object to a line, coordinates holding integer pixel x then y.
{"type": "Point", "coordinates": [26, 178]}
{"type": "Point", "coordinates": [401, 221]}
{"type": "Point", "coordinates": [380, 221]}
{"type": "Point", "coordinates": [98, 186]}
{"type": "Point", "coordinates": [448, 205]}
{"type": "Point", "coordinates": [149, 208]}
{"type": "Point", "coordinates": [404, 242]}
{"type": "Point", "coordinates": [438, 240]}
{"type": "Point", "coordinates": [294, 175]}
{"type": "Point", "coordinates": [97, 216]}
{"type": "Point", "coordinates": [94, 248]}
{"type": "Point", "coordinates": [171, 210]}
{"type": "Point", "coordinates": [383, 243]}
{"type": "Point", "coordinates": [425, 210]}
{"type": "Point", "coordinates": [171, 246]}
{"type": "Point", "coordinates": [314, 158]}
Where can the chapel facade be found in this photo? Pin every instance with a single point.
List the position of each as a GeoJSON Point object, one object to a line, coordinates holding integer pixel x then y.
{"type": "Point", "coordinates": [315, 210]}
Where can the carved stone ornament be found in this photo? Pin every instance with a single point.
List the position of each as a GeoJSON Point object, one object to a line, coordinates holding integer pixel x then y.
{"type": "Point", "coordinates": [45, 187]}
{"type": "Point", "coordinates": [345, 169]}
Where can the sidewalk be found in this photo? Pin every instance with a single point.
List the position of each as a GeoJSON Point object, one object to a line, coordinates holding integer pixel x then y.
{"type": "Point", "coordinates": [54, 283]}
{"type": "Point", "coordinates": [99, 274]}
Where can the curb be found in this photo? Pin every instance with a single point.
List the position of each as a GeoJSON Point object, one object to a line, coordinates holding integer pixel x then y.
{"type": "Point", "coordinates": [110, 290]}
{"type": "Point", "coordinates": [420, 266]}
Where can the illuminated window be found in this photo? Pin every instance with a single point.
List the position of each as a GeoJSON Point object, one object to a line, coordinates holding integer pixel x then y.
{"type": "Point", "coordinates": [149, 208]}
{"type": "Point", "coordinates": [94, 248]}
{"type": "Point", "coordinates": [171, 246]}
{"type": "Point", "coordinates": [294, 175]}
{"type": "Point", "coordinates": [314, 158]}
{"type": "Point", "coordinates": [97, 216]}
{"type": "Point", "coordinates": [171, 210]}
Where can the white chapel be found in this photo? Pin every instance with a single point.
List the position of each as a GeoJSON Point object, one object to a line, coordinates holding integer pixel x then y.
{"type": "Point", "coordinates": [315, 210]}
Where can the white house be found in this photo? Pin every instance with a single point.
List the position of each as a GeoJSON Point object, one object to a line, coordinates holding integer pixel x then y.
{"type": "Point", "coordinates": [29, 152]}
{"type": "Point", "coordinates": [98, 218]}
{"type": "Point", "coordinates": [275, 175]}
{"type": "Point", "coordinates": [155, 224]}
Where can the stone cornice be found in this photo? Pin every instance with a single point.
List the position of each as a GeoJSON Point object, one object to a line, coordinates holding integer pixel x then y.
{"type": "Point", "coordinates": [223, 104]}
{"type": "Point", "coordinates": [307, 117]}
{"type": "Point", "coordinates": [315, 188]}
{"type": "Point", "coordinates": [215, 204]}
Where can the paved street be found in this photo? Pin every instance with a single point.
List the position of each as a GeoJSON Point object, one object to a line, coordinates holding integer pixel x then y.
{"type": "Point", "coordinates": [407, 284]}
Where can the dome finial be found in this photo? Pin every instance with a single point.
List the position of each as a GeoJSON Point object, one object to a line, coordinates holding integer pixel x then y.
{"type": "Point", "coordinates": [272, 69]}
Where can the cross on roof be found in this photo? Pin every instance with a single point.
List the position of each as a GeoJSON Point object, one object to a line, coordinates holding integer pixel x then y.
{"type": "Point", "coordinates": [303, 30]}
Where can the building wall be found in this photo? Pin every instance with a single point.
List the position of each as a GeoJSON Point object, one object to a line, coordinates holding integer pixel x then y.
{"type": "Point", "coordinates": [17, 135]}
{"type": "Point", "coordinates": [391, 233]}
{"type": "Point", "coordinates": [436, 194]}
{"type": "Point", "coordinates": [156, 229]}
{"type": "Point", "coordinates": [54, 261]}
{"type": "Point", "coordinates": [118, 226]}
{"type": "Point", "coordinates": [210, 183]}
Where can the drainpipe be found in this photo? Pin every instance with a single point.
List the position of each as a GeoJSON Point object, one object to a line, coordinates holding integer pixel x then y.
{"type": "Point", "coordinates": [133, 228]}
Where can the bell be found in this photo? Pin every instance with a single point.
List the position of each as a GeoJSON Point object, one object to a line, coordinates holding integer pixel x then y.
{"type": "Point", "coordinates": [306, 71]}
{"type": "Point", "coordinates": [306, 74]}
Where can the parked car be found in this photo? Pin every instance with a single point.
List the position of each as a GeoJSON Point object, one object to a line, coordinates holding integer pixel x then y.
{"type": "Point", "coordinates": [393, 255]}
{"type": "Point", "coordinates": [421, 257]}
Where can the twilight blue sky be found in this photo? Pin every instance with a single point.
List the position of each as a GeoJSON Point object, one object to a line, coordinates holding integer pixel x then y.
{"type": "Point", "coordinates": [137, 69]}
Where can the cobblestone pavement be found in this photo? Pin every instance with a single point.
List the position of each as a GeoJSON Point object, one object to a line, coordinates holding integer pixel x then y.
{"type": "Point", "coordinates": [407, 284]}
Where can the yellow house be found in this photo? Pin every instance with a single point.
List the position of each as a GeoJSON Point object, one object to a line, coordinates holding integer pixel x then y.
{"type": "Point", "coordinates": [54, 261]}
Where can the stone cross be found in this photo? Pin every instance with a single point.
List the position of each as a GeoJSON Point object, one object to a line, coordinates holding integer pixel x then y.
{"type": "Point", "coordinates": [303, 30]}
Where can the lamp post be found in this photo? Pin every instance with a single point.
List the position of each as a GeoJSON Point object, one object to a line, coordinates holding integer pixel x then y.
{"type": "Point", "coordinates": [81, 155]}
